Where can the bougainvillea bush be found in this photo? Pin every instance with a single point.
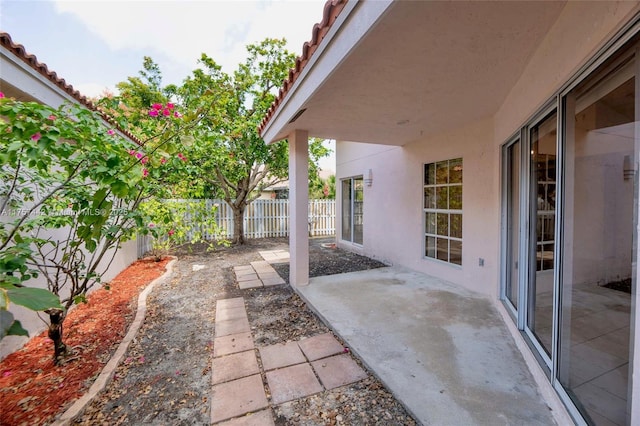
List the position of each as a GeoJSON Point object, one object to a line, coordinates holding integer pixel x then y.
{"type": "Point", "coordinates": [70, 190]}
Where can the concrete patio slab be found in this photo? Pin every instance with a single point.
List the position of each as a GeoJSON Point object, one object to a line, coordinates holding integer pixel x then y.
{"type": "Point", "coordinates": [338, 370]}
{"type": "Point", "coordinates": [238, 397]}
{"type": "Point", "coordinates": [261, 418]}
{"type": "Point", "coordinates": [232, 343]}
{"type": "Point", "coordinates": [443, 351]}
{"type": "Point", "coordinates": [281, 355]}
{"type": "Point", "coordinates": [320, 346]}
{"type": "Point", "coordinates": [292, 382]}
{"type": "Point", "coordinates": [234, 366]}
{"type": "Point", "coordinates": [250, 284]}
{"type": "Point", "coordinates": [232, 326]}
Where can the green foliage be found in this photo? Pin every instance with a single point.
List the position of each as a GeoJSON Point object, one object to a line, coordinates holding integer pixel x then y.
{"type": "Point", "coordinates": [70, 188]}
{"type": "Point", "coordinates": [322, 188]}
{"type": "Point", "coordinates": [176, 222]}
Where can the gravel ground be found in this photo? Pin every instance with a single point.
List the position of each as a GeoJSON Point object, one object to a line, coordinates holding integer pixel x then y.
{"type": "Point", "coordinates": [165, 378]}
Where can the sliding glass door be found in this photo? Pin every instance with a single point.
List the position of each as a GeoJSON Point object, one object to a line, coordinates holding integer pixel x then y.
{"type": "Point", "coordinates": [597, 247]}
{"type": "Point", "coordinates": [570, 218]}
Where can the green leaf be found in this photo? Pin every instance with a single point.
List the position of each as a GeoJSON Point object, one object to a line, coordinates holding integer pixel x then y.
{"type": "Point", "coordinates": [9, 326]}
{"type": "Point", "coordinates": [81, 298]}
{"type": "Point", "coordinates": [36, 299]}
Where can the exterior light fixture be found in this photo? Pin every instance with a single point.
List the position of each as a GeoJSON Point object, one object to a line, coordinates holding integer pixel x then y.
{"type": "Point", "coordinates": [368, 177]}
{"type": "Point", "coordinates": [628, 171]}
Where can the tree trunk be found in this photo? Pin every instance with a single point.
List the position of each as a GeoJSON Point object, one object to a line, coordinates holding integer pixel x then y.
{"type": "Point", "coordinates": [238, 223]}
{"type": "Point", "coordinates": [56, 318]}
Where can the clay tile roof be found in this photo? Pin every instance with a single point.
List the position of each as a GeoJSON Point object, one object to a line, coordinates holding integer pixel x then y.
{"type": "Point", "coordinates": [332, 9]}
{"type": "Point", "coordinates": [31, 60]}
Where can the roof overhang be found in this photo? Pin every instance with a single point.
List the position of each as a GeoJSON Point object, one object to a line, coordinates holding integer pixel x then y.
{"type": "Point", "coordinates": [393, 72]}
{"type": "Point", "coordinates": [26, 79]}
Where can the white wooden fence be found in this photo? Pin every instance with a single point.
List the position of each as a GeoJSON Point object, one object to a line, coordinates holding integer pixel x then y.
{"type": "Point", "coordinates": [264, 219]}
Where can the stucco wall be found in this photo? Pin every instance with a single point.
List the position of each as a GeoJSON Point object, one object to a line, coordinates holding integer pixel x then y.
{"type": "Point", "coordinates": [581, 29]}
{"type": "Point", "coordinates": [393, 222]}
{"type": "Point", "coordinates": [393, 204]}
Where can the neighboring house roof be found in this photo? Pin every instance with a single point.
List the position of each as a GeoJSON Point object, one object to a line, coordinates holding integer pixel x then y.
{"type": "Point", "coordinates": [332, 9]}
{"type": "Point", "coordinates": [32, 61]}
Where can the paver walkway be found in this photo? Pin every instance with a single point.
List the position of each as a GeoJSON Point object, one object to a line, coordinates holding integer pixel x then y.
{"type": "Point", "coordinates": [248, 381]}
{"type": "Point", "coordinates": [275, 256]}
{"type": "Point", "coordinates": [257, 274]}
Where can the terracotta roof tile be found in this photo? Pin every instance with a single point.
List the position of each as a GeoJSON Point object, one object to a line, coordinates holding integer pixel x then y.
{"type": "Point", "coordinates": [31, 60]}
{"type": "Point", "coordinates": [332, 9]}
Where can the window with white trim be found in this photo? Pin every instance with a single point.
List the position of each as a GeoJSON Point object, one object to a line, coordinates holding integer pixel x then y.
{"type": "Point", "coordinates": [443, 210]}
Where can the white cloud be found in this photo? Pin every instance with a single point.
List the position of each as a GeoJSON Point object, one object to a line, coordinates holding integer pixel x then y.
{"type": "Point", "coordinates": [182, 30]}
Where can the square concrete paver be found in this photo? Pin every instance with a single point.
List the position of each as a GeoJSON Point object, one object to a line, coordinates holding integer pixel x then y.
{"type": "Point", "coordinates": [234, 366]}
{"type": "Point", "coordinates": [232, 399]}
{"type": "Point", "coordinates": [320, 346]}
{"type": "Point", "coordinates": [261, 266]}
{"type": "Point", "coordinates": [232, 326]}
{"type": "Point", "coordinates": [250, 284]}
{"type": "Point", "coordinates": [281, 355]}
{"type": "Point", "coordinates": [230, 303]}
{"type": "Point", "coordinates": [338, 370]}
{"type": "Point", "coordinates": [242, 267]}
{"type": "Point", "coordinates": [226, 314]}
{"type": "Point", "coordinates": [261, 418]}
{"type": "Point", "coordinates": [292, 382]}
{"type": "Point", "coordinates": [272, 281]}
{"type": "Point", "coordinates": [232, 343]}
{"type": "Point", "coordinates": [247, 277]}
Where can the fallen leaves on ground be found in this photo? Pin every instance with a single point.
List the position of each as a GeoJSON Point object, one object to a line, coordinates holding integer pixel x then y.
{"type": "Point", "coordinates": [33, 390]}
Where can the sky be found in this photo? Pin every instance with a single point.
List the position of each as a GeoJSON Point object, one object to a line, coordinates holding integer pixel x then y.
{"type": "Point", "coordinates": [94, 44]}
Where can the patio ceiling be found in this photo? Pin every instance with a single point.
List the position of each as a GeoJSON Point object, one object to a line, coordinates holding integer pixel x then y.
{"type": "Point", "coordinates": [419, 68]}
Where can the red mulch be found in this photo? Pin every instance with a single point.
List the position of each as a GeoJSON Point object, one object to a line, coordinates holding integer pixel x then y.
{"type": "Point", "coordinates": [33, 390]}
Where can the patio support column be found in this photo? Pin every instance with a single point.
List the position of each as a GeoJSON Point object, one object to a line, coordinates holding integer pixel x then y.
{"type": "Point", "coordinates": [299, 208]}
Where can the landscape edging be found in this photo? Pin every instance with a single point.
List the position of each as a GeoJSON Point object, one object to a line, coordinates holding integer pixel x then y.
{"type": "Point", "coordinates": [107, 372]}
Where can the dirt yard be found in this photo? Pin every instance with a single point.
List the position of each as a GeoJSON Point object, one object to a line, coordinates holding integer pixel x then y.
{"type": "Point", "coordinates": [165, 377]}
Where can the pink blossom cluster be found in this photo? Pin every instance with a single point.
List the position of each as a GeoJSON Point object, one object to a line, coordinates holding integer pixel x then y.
{"type": "Point", "coordinates": [158, 110]}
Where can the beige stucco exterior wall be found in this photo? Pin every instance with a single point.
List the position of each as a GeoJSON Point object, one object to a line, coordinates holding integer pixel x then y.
{"type": "Point", "coordinates": [393, 204]}
{"type": "Point", "coordinates": [580, 31]}
{"type": "Point", "coordinates": [393, 222]}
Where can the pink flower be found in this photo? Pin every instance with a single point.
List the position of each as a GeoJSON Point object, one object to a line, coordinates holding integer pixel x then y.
{"type": "Point", "coordinates": [177, 114]}
{"type": "Point", "coordinates": [166, 112]}
{"type": "Point", "coordinates": [139, 155]}
{"type": "Point", "coordinates": [144, 160]}
{"type": "Point", "coordinates": [171, 232]}
{"type": "Point", "coordinates": [153, 113]}
{"type": "Point", "coordinates": [36, 136]}
{"type": "Point", "coordinates": [1, 95]}
{"type": "Point", "coordinates": [52, 117]}
{"type": "Point", "coordinates": [111, 132]}
{"type": "Point", "coordinates": [170, 105]}
{"type": "Point", "coordinates": [145, 172]}
{"type": "Point", "coordinates": [5, 373]}
{"type": "Point", "coordinates": [163, 160]}
{"type": "Point", "coordinates": [182, 157]}
{"type": "Point", "coordinates": [151, 225]}
{"type": "Point", "coordinates": [157, 107]}
{"type": "Point", "coordinates": [132, 152]}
